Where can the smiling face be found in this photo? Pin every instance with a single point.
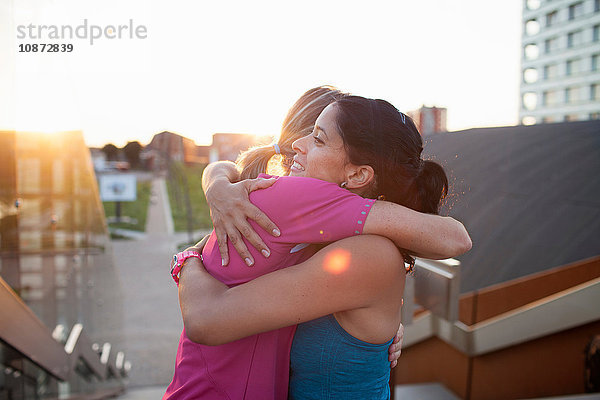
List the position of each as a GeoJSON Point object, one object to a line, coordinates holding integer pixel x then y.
{"type": "Point", "coordinates": [321, 154]}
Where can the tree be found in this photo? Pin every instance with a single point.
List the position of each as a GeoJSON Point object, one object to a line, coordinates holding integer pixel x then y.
{"type": "Point", "coordinates": [132, 153]}
{"type": "Point", "coordinates": [111, 152]}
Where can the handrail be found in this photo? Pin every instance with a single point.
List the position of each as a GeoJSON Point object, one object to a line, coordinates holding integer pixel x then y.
{"type": "Point", "coordinates": [435, 285]}
{"type": "Point", "coordinates": [563, 310]}
{"type": "Point", "coordinates": [22, 330]}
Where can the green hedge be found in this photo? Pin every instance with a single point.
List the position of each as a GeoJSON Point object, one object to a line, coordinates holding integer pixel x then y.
{"type": "Point", "coordinates": [185, 183]}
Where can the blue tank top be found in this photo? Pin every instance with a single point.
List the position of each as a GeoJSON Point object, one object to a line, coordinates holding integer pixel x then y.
{"type": "Point", "coordinates": [329, 363]}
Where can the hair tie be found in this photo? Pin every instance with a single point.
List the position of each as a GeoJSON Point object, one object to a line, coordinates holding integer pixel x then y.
{"type": "Point", "coordinates": [277, 149]}
{"type": "Point", "coordinates": [403, 117]}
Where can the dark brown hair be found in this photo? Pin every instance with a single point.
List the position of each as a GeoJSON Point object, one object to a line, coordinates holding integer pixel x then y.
{"type": "Point", "coordinates": [375, 133]}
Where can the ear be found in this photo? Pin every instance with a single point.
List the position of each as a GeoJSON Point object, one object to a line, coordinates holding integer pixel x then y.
{"type": "Point", "coordinates": [359, 176]}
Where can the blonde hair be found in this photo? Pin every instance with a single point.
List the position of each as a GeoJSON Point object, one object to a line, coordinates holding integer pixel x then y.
{"type": "Point", "coordinates": [298, 123]}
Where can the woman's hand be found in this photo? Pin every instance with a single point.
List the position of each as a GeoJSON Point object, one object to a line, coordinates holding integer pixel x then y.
{"type": "Point", "coordinates": [200, 245]}
{"type": "Point", "coordinates": [230, 208]}
{"type": "Point", "coordinates": [395, 348]}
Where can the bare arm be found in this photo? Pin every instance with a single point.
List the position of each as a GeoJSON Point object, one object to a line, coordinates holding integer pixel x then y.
{"type": "Point", "coordinates": [214, 314]}
{"type": "Point", "coordinates": [230, 207]}
{"type": "Point", "coordinates": [424, 235]}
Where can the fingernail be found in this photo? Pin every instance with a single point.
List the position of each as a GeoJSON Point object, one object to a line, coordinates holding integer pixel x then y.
{"type": "Point", "coordinates": [249, 262]}
{"type": "Point", "coordinates": [223, 262]}
{"type": "Point", "coordinates": [276, 232]}
{"type": "Point", "coordinates": [265, 252]}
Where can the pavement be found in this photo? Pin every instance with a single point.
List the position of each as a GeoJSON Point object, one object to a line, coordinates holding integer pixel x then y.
{"type": "Point", "coordinates": [152, 319]}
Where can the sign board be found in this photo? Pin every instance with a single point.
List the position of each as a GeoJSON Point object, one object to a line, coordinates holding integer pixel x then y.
{"type": "Point", "coordinates": [121, 187]}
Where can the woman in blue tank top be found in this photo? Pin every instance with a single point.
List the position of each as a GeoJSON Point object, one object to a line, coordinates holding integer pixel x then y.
{"type": "Point", "coordinates": [347, 297]}
{"type": "Point", "coordinates": [347, 365]}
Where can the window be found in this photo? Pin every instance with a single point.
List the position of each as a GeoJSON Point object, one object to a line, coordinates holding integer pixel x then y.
{"type": "Point", "coordinates": [595, 115]}
{"type": "Point", "coordinates": [533, 4]}
{"type": "Point", "coordinates": [530, 100]}
{"type": "Point", "coordinates": [528, 120]}
{"type": "Point", "coordinates": [530, 75]}
{"type": "Point", "coordinates": [595, 58]}
{"type": "Point", "coordinates": [551, 18]}
{"type": "Point", "coordinates": [531, 52]}
{"type": "Point", "coordinates": [550, 71]}
{"type": "Point", "coordinates": [595, 91]}
{"type": "Point", "coordinates": [596, 33]}
{"type": "Point", "coordinates": [572, 67]}
{"type": "Point", "coordinates": [574, 38]}
{"type": "Point", "coordinates": [596, 5]}
{"type": "Point", "coordinates": [547, 119]}
{"type": "Point", "coordinates": [549, 98]}
{"type": "Point", "coordinates": [550, 45]}
{"type": "Point", "coordinates": [532, 27]}
{"type": "Point", "coordinates": [572, 95]}
{"type": "Point", "coordinates": [575, 10]}
{"type": "Point", "coordinates": [570, 117]}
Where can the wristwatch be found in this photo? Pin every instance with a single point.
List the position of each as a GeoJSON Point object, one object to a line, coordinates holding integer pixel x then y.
{"type": "Point", "coordinates": [178, 260]}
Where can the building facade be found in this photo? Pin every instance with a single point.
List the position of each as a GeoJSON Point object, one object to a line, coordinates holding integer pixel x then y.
{"type": "Point", "coordinates": [560, 68]}
{"type": "Point", "coordinates": [167, 147]}
{"type": "Point", "coordinates": [429, 119]}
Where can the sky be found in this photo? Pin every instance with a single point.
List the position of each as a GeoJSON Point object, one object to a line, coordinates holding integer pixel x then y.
{"type": "Point", "coordinates": [202, 67]}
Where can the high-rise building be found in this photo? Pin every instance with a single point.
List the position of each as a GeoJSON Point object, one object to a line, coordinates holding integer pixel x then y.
{"type": "Point", "coordinates": [429, 119]}
{"type": "Point", "coordinates": [560, 65]}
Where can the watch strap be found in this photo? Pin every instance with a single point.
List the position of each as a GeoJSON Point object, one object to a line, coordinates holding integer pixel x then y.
{"type": "Point", "coordinates": [179, 260]}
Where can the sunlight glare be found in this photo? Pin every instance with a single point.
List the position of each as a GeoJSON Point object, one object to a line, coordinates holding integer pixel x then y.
{"type": "Point", "coordinates": [337, 261]}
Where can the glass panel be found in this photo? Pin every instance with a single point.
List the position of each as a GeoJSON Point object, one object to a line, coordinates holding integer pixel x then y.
{"type": "Point", "coordinates": [53, 249]}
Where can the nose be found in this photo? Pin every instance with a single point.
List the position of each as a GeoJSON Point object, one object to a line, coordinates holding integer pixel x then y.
{"type": "Point", "coordinates": [298, 145]}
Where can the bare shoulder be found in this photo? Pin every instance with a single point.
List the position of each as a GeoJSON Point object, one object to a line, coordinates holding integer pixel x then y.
{"type": "Point", "coordinates": [371, 247]}
{"type": "Point", "coordinates": [369, 254]}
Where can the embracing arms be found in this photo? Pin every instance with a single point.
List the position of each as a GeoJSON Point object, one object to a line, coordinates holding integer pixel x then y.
{"type": "Point", "coordinates": [229, 204]}
{"type": "Point", "coordinates": [214, 314]}
{"type": "Point", "coordinates": [423, 235]}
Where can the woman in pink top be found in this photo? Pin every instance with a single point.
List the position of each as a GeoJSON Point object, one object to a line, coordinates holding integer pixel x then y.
{"type": "Point", "coordinates": [309, 211]}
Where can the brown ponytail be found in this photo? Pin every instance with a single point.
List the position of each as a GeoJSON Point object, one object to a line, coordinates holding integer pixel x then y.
{"type": "Point", "coordinates": [432, 185]}
{"type": "Point", "coordinates": [254, 161]}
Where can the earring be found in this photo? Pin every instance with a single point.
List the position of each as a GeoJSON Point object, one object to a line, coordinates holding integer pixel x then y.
{"type": "Point", "coordinates": [343, 185]}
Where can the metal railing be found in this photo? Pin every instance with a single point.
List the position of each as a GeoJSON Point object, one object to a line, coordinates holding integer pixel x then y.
{"type": "Point", "coordinates": [569, 308]}
{"type": "Point", "coordinates": [434, 285]}
{"type": "Point", "coordinates": [22, 330]}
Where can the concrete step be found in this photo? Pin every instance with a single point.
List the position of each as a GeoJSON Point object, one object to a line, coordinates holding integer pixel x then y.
{"type": "Point", "coordinates": [143, 393]}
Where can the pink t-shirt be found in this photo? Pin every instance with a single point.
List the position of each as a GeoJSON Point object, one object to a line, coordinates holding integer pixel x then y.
{"type": "Point", "coordinates": [257, 367]}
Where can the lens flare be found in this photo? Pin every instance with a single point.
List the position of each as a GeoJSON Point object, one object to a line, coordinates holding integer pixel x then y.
{"type": "Point", "coordinates": [337, 261]}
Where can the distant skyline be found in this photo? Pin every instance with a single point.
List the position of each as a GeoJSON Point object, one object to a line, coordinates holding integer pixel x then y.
{"type": "Point", "coordinates": [234, 66]}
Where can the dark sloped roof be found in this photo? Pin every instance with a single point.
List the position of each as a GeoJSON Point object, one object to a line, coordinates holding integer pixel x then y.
{"type": "Point", "coordinates": [529, 196]}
